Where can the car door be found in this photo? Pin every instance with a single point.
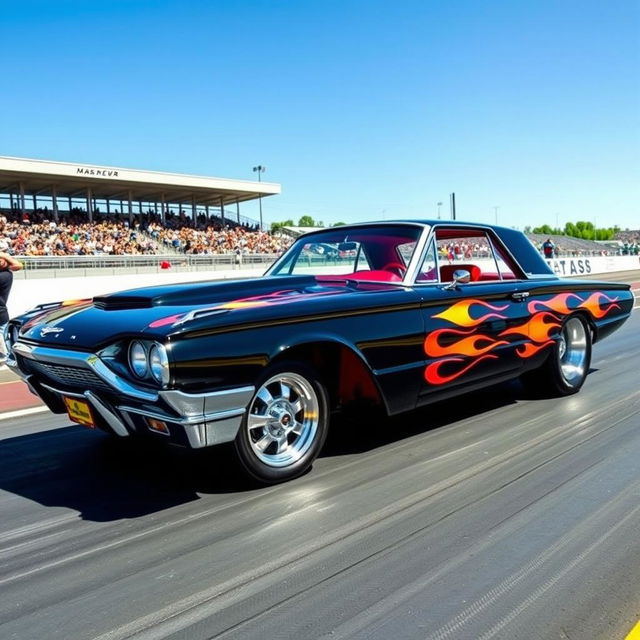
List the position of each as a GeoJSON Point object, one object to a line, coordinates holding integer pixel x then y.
{"type": "Point", "coordinates": [474, 327]}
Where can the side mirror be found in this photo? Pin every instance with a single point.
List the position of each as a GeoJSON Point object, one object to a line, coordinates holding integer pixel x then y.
{"type": "Point", "coordinates": [461, 276]}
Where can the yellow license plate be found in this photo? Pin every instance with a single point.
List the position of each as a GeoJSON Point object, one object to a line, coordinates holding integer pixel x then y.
{"type": "Point", "coordinates": [79, 411]}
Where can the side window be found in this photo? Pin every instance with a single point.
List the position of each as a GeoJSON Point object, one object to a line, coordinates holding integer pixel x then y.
{"type": "Point", "coordinates": [504, 270]}
{"type": "Point", "coordinates": [472, 250]}
{"type": "Point", "coordinates": [405, 251]}
{"type": "Point", "coordinates": [428, 271]}
{"type": "Point", "coordinates": [343, 257]}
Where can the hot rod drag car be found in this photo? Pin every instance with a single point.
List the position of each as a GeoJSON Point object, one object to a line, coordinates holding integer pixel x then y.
{"type": "Point", "coordinates": [396, 313]}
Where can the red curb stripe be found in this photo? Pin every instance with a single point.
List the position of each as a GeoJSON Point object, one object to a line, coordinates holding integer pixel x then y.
{"type": "Point", "coordinates": [16, 395]}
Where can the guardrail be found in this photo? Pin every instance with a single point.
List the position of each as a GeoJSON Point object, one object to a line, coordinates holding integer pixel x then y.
{"type": "Point", "coordinates": [37, 267]}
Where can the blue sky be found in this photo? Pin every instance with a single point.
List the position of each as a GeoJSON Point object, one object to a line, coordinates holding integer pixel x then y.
{"type": "Point", "coordinates": [361, 110]}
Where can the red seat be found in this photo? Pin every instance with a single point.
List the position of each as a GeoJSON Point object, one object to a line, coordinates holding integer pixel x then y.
{"type": "Point", "coordinates": [446, 271]}
{"type": "Point", "coordinates": [377, 275]}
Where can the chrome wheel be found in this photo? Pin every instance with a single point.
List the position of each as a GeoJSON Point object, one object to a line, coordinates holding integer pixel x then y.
{"type": "Point", "coordinates": [283, 419]}
{"type": "Point", "coordinates": [563, 373]}
{"type": "Point", "coordinates": [573, 352]}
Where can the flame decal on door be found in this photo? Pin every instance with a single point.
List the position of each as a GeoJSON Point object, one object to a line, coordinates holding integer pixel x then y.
{"type": "Point", "coordinates": [460, 313]}
{"type": "Point", "coordinates": [474, 344]}
{"type": "Point", "coordinates": [459, 350]}
{"type": "Point", "coordinates": [599, 304]}
{"type": "Point", "coordinates": [432, 372]}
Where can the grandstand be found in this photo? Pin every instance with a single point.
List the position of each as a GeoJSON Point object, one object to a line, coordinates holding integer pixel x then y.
{"type": "Point", "coordinates": [568, 246]}
{"type": "Point", "coordinates": [56, 209]}
{"type": "Point", "coordinates": [59, 188]}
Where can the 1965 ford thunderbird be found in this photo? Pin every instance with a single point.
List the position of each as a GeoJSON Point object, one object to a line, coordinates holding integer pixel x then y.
{"type": "Point", "coordinates": [396, 313]}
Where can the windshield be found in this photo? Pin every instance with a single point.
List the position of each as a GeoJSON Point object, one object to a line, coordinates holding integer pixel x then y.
{"type": "Point", "coordinates": [381, 252]}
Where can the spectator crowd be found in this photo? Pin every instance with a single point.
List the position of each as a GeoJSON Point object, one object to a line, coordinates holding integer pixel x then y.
{"type": "Point", "coordinates": [37, 234]}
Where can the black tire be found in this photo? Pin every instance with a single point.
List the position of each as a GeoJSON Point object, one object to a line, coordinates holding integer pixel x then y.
{"type": "Point", "coordinates": [285, 425]}
{"type": "Point", "coordinates": [565, 370]}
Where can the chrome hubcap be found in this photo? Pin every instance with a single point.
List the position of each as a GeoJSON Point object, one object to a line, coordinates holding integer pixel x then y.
{"type": "Point", "coordinates": [283, 419]}
{"type": "Point", "coordinates": [572, 351]}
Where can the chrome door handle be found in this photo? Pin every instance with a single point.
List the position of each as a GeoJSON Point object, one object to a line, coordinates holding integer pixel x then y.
{"type": "Point", "coordinates": [519, 296]}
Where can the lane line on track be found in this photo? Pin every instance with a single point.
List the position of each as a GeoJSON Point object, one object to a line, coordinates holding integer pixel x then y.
{"type": "Point", "coordinates": [634, 634]}
{"type": "Point", "coordinates": [7, 415]}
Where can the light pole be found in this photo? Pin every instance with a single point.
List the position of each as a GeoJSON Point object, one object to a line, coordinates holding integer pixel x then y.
{"type": "Point", "coordinates": [495, 209]}
{"type": "Point", "coordinates": [439, 205]}
{"type": "Point", "coordinates": [259, 169]}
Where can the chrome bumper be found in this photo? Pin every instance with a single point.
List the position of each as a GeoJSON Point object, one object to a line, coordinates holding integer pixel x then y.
{"type": "Point", "coordinates": [195, 419]}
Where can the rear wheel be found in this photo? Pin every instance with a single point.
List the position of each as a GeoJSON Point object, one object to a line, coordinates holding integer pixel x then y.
{"type": "Point", "coordinates": [566, 368]}
{"type": "Point", "coordinates": [285, 425]}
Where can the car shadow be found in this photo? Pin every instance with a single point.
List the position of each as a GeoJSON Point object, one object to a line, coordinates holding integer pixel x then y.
{"type": "Point", "coordinates": [106, 479]}
{"type": "Point", "coordinates": [348, 436]}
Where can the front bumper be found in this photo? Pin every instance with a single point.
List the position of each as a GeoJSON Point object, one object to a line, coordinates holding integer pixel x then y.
{"type": "Point", "coordinates": [194, 420]}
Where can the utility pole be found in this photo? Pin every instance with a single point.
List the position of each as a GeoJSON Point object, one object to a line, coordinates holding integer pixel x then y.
{"type": "Point", "coordinates": [453, 206]}
{"type": "Point", "coordinates": [259, 169]}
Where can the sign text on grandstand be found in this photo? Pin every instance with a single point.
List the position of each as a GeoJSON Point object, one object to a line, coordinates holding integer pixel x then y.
{"type": "Point", "coordinates": [106, 173]}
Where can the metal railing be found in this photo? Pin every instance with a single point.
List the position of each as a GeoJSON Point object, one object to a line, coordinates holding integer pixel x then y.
{"type": "Point", "coordinates": [81, 266]}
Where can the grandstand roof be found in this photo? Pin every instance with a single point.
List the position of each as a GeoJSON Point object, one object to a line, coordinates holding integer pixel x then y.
{"type": "Point", "coordinates": [73, 179]}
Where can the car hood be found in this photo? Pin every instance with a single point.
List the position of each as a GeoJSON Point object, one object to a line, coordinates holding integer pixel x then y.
{"type": "Point", "coordinates": [155, 312]}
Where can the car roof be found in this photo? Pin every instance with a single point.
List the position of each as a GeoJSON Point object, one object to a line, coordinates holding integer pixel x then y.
{"type": "Point", "coordinates": [408, 222]}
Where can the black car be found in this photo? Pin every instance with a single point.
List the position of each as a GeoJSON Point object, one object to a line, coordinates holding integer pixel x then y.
{"type": "Point", "coordinates": [397, 314]}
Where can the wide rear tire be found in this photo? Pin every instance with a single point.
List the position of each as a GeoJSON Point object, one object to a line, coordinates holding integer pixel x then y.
{"type": "Point", "coordinates": [565, 370]}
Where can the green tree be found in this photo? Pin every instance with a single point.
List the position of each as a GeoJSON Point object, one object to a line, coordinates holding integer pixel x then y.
{"type": "Point", "coordinates": [545, 228]}
{"type": "Point", "coordinates": [306, 221]}
{"type": "Point", "coordinates": [276, 226]}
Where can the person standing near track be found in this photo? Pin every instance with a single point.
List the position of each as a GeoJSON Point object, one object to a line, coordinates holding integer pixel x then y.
{"type": "Point", "coordinates": [8, 264]}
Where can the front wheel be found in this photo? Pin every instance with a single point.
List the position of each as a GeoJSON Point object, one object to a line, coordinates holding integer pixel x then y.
{"type": "Point", "coordinates": [565, 370]}
{"type": "Point", "coordinates": [285, 425]}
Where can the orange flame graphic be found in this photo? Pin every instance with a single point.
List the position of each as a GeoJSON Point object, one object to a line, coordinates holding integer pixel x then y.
{"type": "Point", "coordinates": [468, 346]}
{"type": "Point", "coordinates": [558, 303]}
{"type": "Point", "coordinates": [432, 372]}
{"type": "Point", "coordinates": [460, 313]}
{"type": "Point", "coordinates": [527, 350]}
{"type": "Point", "coordinates": [538, 331]}
{"type": "Point", "coordinates": [595, 303]}
{"type": "Point", "coordinates": [537, 328]}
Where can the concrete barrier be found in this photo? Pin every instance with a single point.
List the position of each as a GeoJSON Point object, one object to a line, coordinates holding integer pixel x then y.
{"type": "Point", "coordinates": [28, 293]}
{"type": "Point", "coordinates": [569, 267]}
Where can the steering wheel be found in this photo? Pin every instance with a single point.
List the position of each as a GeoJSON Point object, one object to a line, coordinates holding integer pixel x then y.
{"type": "Point", "coordinates": [397, 268]}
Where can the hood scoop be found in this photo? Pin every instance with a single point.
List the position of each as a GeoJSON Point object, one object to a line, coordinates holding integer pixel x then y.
{"type": "Point", "coordinates": [117, 302]}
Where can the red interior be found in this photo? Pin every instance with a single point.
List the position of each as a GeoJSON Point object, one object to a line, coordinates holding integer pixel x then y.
{"type": "Point", "coordinates": [376, 275]}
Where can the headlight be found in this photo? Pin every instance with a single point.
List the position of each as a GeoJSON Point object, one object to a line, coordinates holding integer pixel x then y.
{"type": "Point", "coordinates": [138, 359]}
{"type": "Point", "coordinates": [159, 363]}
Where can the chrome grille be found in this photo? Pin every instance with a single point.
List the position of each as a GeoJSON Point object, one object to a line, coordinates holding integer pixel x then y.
{"type": "Point", "coordinates": [70, 377]}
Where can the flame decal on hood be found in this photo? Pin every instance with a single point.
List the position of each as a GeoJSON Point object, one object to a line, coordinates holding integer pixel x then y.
{"type": "Point", "coordinates": [284, 296]}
